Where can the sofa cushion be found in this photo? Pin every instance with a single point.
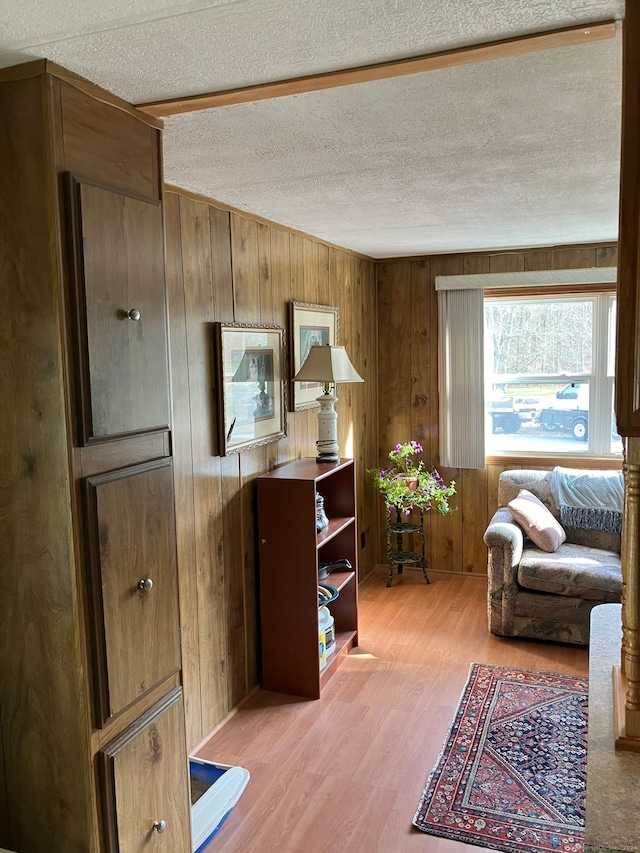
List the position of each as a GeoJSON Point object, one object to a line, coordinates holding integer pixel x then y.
{"type": "Point", "coordinates": [594, 539]}
{"type": "Point", "coordinates": [536, 521]}
{"type": "Point", "coordinates": [538, 483]}
{"type": "Point", "coordinates": [573, 570]}
{"type": "Point", "coordinates": [510, 483]}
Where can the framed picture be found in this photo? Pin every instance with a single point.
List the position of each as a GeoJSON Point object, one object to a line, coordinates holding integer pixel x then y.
{"type": "Point", "coordinates": [310, 325]}
{"type": "Point", "coordinates": [250, 385]}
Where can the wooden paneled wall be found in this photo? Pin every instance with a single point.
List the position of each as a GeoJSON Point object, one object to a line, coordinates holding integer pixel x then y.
{"type": "Point", "coordinates": [223, 266]}
{"type": "Point", "coordinates": [408, 383]}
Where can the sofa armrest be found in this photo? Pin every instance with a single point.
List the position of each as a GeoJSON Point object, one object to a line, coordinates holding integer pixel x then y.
{"type": "Point", "coordinates": [505, 542]}
{"type": "Point", "coordinates": [504, 533]}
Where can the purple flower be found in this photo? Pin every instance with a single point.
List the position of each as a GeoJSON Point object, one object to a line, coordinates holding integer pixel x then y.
{"type": "Point", "coordinates": [432, 490]}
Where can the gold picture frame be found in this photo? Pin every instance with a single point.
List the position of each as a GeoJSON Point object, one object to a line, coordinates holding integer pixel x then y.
{"type": "Point", "coordinates": [309, 325]}
{"type": "Point", "coordinates": [250, 385]}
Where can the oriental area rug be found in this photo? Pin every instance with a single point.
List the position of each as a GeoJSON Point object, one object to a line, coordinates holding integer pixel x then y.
{"type": "Point", "coordinates": [512, 774]}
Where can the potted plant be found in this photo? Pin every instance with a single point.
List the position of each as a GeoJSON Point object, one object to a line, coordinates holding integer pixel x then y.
{"type": "Point", "coordinates": [407, 484]}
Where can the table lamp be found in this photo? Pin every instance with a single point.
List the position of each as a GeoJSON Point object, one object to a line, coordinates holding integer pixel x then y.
{"type": "Point", "coordinates": [329, 365]}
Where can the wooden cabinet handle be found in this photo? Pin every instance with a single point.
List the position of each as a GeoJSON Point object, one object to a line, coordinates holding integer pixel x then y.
{"type": "Point", "coordinates": [145, 584]}
{"type": "Point", "coordinates": [159, 825]}
{"type": "Point", "coordinates": [131, 314]}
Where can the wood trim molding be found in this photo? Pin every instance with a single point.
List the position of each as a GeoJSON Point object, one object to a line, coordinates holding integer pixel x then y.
{"type": "Point", "coordinates": [566, 37]}
{"type": "Point", "coordinates": [23, 71]}
{"type": "Point", "coordinates": [40, 67]}
{"type": "Point", "coordinates": [504, 252]}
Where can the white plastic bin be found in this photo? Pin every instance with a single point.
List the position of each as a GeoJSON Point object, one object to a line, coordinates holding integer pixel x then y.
{"type": "Point", "coordinates": [326, 623]}
{"type": "Point", "coordinates": [215, 789]}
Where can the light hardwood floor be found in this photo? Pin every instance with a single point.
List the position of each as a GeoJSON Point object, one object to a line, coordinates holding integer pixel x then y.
{"type": "Point", "coordinates": [346, 772]}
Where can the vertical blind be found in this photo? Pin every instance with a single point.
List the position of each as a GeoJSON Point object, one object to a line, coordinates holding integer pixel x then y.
{"type": "Point", "coordinates": [461, 378]}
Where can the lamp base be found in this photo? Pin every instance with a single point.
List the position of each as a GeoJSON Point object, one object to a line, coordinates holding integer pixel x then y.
{"type": "Point", "coordinates": [327, 457]}
{"type": "Point", "coordinates": [327, 443]}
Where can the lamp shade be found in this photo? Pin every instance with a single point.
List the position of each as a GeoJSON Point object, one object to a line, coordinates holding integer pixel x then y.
{"type": "Point", "coordinates": [327, 364]}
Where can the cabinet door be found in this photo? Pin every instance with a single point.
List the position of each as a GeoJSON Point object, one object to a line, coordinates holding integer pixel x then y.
{"type": "Point", "coordinates": [133, 584]}
{"type": "Point", "coordinates": [145, 783]}
{"type": "Point", "coordinates": [118, 296]}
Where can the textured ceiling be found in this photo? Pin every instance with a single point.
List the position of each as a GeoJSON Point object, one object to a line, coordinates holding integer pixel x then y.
{"type": "Point", "coordinates": [507, 153]}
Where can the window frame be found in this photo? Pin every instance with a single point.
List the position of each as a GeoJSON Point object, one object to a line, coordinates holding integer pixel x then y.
{"type": "Point", "coordinates": [464, 350]}
{"type": "Point", "coordinates": [600, 380]}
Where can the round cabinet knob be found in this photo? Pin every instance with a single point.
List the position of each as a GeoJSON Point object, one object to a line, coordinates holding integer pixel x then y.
{"type": "Point", "coordinates": [145, 584]}
{"type": "Point", "coordinates": [132, 314]}
{"type": "Point", "coordinates": [159, 825]}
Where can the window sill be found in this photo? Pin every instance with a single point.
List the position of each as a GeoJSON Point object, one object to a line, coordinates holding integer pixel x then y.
{"type": "Point", "coordinates": [597, 462]}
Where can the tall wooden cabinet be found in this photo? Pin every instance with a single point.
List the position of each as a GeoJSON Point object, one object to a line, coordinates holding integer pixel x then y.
{"type": "Point", "coordinates": [627, 390]}
{"type": "Point", "coordinates": [291, 551]}
{"type": "Point", "coordinates": [92, 728]}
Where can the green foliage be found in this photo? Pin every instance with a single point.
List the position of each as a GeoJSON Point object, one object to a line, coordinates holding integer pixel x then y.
{"type": "Point", "coordinates": [393, 482]}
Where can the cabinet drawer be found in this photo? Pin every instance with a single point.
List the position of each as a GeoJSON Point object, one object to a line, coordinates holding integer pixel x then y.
{"type": "Point", "coordinates": [145, 783]}
{"type": "Point", "coordinates": [119, 312]}
{"type": "Point", "coordinates": [132, 582]}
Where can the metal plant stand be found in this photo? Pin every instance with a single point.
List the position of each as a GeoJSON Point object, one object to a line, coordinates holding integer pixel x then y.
{"type": "Point", "coordinates": [399, 557]}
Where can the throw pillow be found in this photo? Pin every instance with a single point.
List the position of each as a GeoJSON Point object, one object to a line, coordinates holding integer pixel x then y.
{"type": "Point", "coordinates": [540, 525]}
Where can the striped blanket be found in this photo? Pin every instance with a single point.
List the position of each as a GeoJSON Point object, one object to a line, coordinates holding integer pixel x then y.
{"type": "Point", "coordinates": [591, 500]}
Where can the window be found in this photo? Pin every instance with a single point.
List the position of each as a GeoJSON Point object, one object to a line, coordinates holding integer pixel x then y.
{"type": "Point", "coordinates": [549, 375]}
{"type": "Point", "coordinates": [537, 376]}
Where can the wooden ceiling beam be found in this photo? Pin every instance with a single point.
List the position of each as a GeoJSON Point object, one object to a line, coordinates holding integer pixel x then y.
{"type": "Point", "coordinates": [431, 62]}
